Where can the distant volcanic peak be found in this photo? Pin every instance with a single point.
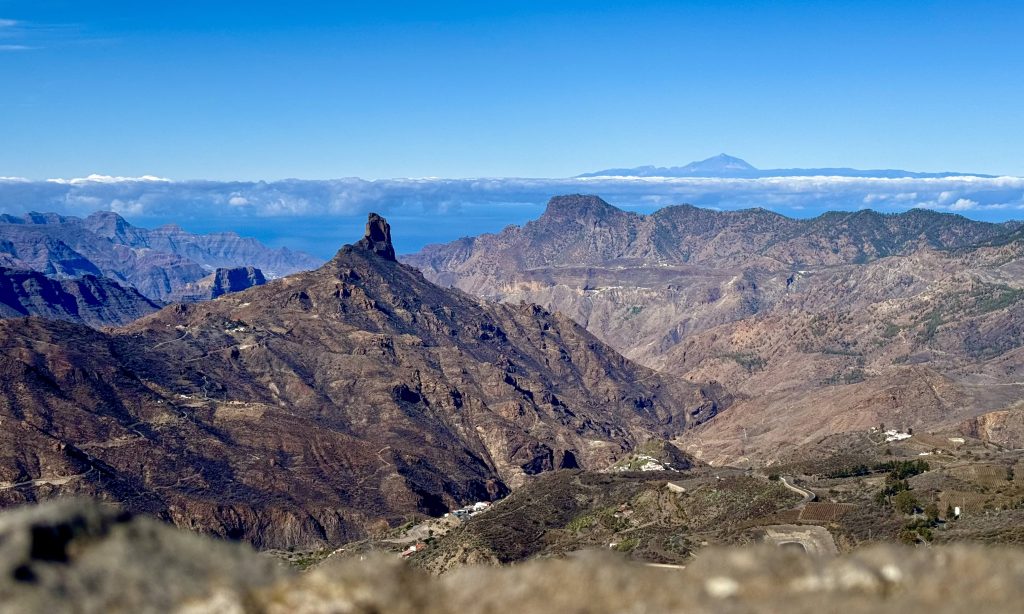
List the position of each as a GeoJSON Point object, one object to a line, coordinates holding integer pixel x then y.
{"type": "Point", "coordinates": [378, 237]}
{"type": "Point", "coordinates": [721, 162]}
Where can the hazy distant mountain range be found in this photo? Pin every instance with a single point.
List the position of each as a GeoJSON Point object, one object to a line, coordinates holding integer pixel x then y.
{"type": "Point", "coordinates": [158, 262]}
{"type": "Point", "coordinates": [724, 165]}
{"type": "Point", "coordinates": [103, 271]}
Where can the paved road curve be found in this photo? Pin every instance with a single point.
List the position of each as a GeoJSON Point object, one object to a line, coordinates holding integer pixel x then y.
{"type": "Point", "coordinates": [803, 492]}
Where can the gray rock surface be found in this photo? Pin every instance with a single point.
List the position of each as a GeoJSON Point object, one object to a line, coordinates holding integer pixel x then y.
{"type": "Point", "coordinates": [378, 237]}
{"type": "Point", "coordinates": [77, 556]}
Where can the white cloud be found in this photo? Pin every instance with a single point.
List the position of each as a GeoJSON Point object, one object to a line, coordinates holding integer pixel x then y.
{"type": "Point", "coordinates": [108, 179]}
{"type": "Point", "coordinates": [155, 196]}
{"type": "Point", "coordinates": [127, 207]}
{"type": "Point", "coordinates": [16, 48]}
{"type": "Point", "coordinates": [87, 203]}
{"type": "Point", "coordinates": [964, 204]}
{"type": "Point", "coordinates": [8, 23]}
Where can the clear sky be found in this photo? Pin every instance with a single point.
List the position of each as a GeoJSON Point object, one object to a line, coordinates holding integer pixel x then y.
{"type": "Point", "coordinates": [266, 90]}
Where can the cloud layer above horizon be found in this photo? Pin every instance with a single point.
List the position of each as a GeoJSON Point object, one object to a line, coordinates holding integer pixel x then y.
{"type": "Point", "coordinates": [489, 203]}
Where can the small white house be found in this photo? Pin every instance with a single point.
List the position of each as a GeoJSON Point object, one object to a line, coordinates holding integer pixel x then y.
{"type": "Point", "coordinates": [894, 435]}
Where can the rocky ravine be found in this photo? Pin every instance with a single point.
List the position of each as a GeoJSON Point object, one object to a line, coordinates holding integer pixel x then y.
{"type": "Point", "coordinates": [320, 406]}
{"type": "Point", "coordinates": [818, 326]}
{"type": "Point", "coordinates": [78, 557]}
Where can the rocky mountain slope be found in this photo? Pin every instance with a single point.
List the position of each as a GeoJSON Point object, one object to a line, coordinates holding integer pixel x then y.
{"type": "Point", "coordinates": [818, 326]}
{"type": "Point", "coordinates": [157, 262]}
{"type": "Point", "coordinates": [94, 301]}
{"type": "Point", "coordinates": [321, 406]}
{"type": "Point", "coordinates": [581, 230]}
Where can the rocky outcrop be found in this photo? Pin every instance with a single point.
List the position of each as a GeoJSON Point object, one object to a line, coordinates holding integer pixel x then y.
{"type": "Point", "coordinates": [219, 283]}
{"type": "Point", "coordinates": [157, 262]}
{"type": "Point", "coordinates": [89, 300]}
{"type": "Point", "coordinates": [1003, 427]}
{"type": "Point", "coordinates": [79, 557]}
{"type": "Point", "coordinates": [236, 280]}
{"type": "Point", "coordinates": [378, 237]}
{"type": "Point", "coordinates": [322, 406]}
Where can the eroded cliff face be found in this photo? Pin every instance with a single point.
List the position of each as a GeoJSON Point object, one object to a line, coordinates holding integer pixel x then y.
{"type": "Point", "coordinates": [220, 282]}
{"type": "Point", "coordinates": [321, 406]}
{"type": "Point", "coordinates": [1003, 427]}
{"type": "Point", "coordinates": [76, 556]}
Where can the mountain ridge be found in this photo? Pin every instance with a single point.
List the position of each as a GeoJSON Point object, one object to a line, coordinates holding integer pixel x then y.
{"type": "Point", "coordinates": [726, 166]}
{"type": "Point", "coordinates": [584, 229]}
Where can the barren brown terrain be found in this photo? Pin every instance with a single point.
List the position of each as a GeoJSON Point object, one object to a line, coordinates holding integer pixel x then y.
{"type": "Point", "coordinates": [819, 326]}
{"type": "Point", "coordinates": [321, 407]}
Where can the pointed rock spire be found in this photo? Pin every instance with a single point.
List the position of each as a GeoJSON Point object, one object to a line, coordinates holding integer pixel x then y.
{"type": "Point", "coordinates": [378, 237]}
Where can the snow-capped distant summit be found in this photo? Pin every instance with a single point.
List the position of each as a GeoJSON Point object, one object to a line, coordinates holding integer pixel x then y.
{"type": "Point", "coordinates": [726, 166]}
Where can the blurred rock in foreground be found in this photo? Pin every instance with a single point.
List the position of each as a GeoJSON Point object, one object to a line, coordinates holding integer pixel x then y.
{"type": "Point", "coordinates": [78, 556]}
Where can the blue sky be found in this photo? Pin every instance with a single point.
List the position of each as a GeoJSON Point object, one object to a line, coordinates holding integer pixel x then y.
{"type": "Point", "coordinates": [268, 90]}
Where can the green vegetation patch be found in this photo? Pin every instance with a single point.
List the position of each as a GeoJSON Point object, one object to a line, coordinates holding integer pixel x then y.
{"type": "Point", "coordinates": [993, 297]}
{"type": "Point", "coordinates": [890, 330]}
{"type": "Point", "coordinates": [748, 360]}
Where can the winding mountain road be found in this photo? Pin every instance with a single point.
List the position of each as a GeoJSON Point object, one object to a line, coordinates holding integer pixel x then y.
{"type": "Point", "coordinates": [803, 492]}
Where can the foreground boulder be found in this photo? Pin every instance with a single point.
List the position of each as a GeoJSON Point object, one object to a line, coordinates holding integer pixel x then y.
{"type": "Point", "coordinates": [76, 555]}
{"type": "Point", "coordinates": [80, 556]}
